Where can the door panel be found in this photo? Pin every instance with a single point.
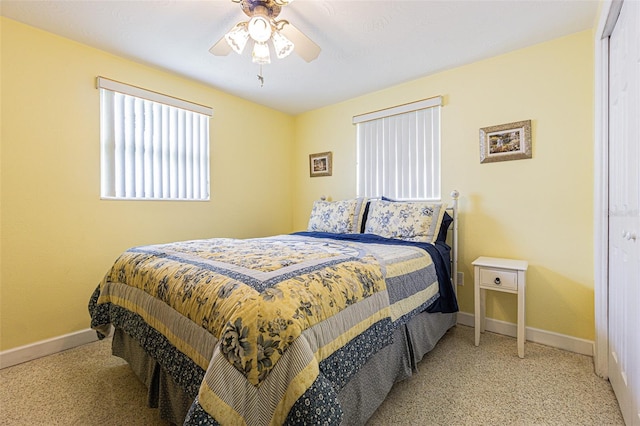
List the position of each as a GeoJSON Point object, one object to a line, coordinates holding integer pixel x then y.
{"type": "Point", "coordinates": [624, 211]}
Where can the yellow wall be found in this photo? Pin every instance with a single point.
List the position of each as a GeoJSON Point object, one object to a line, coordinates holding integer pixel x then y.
{"type": "Point", "coordinates": [538, 209]}
{"type": "Point", "coordinates": [58, 238]}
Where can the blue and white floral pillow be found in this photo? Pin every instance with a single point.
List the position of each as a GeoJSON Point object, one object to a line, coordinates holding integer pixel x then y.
{"type": "Point", "coordinates": [411, 221]}
{"type": "Point", "coordinates": [338, 217]}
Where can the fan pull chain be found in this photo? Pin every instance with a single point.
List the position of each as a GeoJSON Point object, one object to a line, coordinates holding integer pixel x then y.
{"type": "Point", "coordinates": [260, 77]}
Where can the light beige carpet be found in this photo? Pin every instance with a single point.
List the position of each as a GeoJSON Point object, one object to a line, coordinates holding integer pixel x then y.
{"type": "Point", "coordinates": [461, 384]}
{"type": "Point", "coordinates": [457, 384]}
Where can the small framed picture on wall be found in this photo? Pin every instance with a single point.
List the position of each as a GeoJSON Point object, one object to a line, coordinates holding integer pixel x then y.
{"type": "Point", "coordinates": [503, 142]}
{"type": "Point", "coordinates": [320, 164]}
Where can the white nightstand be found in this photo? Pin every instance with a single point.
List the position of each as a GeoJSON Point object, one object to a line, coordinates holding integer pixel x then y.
{"type": "Point", "coordinates": [507, 275]}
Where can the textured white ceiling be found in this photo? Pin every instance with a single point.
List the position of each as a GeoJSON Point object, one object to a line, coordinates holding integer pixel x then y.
{"type": "Point", "coordinates": [366, 45]}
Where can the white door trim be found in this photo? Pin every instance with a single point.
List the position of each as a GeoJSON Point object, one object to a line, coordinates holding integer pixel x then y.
{"type": "Point", "coordinates": [608, 17]}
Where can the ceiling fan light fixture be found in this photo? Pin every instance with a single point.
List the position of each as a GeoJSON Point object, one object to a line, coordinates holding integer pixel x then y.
{"type": "Point", "coordinates": [237, 38]}
{"type": "Point", "coordinates": [260, 29]}
{"type": "Point", "coordinates": [282, 45]}
{"type": "Point", "coordinates": [263, 29]}
{"type": "Point", "coordinates": [261, 54]}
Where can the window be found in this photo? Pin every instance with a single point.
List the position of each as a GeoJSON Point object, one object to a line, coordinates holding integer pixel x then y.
{"type": "Point", "coordinates": [153, 146]}
{"type": "Point", "coordinates": [399, 151]}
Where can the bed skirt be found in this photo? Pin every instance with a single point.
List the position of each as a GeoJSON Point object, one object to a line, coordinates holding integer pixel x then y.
{"type": "Point", "coordinates": [359, 398]}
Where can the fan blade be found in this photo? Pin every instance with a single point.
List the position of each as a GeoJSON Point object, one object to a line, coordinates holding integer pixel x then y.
{"type": "Point", "coordinates": [304, 47]}
{"type": "Point", "coordinates": [221, 48]}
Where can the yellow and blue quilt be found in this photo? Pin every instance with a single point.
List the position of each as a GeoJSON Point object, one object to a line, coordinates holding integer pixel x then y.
{"type": "Point", "coordinates": [266, 331]}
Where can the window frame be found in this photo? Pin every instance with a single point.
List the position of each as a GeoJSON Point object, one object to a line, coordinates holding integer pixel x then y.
{"type": "Point", "coordinates": [153, 147]}
{"type": "Point", "coordinates": [400, 142]}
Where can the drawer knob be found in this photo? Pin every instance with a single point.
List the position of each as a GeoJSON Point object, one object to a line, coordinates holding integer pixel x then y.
{"type": "Point", "coordinates": [496, 281]}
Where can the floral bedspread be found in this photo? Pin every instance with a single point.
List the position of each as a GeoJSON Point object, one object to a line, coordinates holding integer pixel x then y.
{"type": "Point", "coordinates": [263, 318]}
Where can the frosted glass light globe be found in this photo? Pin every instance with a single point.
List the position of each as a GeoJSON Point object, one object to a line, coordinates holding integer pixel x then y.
{"type": "Point", "coordinates": [260, 29]}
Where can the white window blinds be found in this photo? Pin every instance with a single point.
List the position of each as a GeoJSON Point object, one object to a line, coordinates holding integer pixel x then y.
{"type": "Point", "coordinates": [398, 151]}
{"type": "Point", "coordinates": [153, 146]}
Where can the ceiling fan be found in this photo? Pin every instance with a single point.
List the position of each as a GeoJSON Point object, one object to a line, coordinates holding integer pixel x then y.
{"type": "Point", "coordinates": [261, 27]}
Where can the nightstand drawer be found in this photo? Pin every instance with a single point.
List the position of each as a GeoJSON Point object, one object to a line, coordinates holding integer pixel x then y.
{"type": "Point", "coordinates": [498, 278]}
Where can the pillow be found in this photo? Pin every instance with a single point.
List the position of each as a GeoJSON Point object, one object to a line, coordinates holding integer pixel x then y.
{"type": "Point", "coordinates": [411, 221]}
{"type": "Point", "coordinates": [444, 226]}
{"type": "Point", "coordinates": [337, 217]}
{"type": "Point", "coordinates": [365, 213]}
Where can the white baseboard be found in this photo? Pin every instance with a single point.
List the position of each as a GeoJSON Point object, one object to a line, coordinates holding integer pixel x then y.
{"type": "Point", "coordinates": [548, 338]}
{"type": "Point", "coordinates": [54, 345]}
{"type": "Point", "coordinates": [42, 348]}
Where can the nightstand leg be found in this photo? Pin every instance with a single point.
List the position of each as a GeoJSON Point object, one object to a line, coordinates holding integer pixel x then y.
{"type": "Point", "coordinates": [521, 317]}
{"type": "Point", "coordinates": [483, 310]}
{"type": "Point", "coordinates": [476, 309]}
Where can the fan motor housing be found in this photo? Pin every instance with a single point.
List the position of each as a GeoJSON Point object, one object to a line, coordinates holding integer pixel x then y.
{"type": "Point", "coordinates": [250, 7]}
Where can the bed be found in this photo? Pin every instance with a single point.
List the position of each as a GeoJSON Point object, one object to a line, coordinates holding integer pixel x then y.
{"type": "Point", "coordinates": [312, 327]}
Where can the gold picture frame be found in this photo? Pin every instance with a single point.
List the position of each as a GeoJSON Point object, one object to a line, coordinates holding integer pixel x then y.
{"type": "Point", "coordinates": [511, 141]}
{"type": "Point", "coordinates": [320, 164]}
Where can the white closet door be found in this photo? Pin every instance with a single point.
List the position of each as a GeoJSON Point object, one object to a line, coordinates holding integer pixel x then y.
{"type": "Point", "coordinates": [624, 211]}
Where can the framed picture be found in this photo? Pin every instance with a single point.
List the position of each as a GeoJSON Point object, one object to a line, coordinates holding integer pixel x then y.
{"type": "Point", "coordinates": [510, 141]}
{"type": "Point", "coordinates": [320, 164]}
